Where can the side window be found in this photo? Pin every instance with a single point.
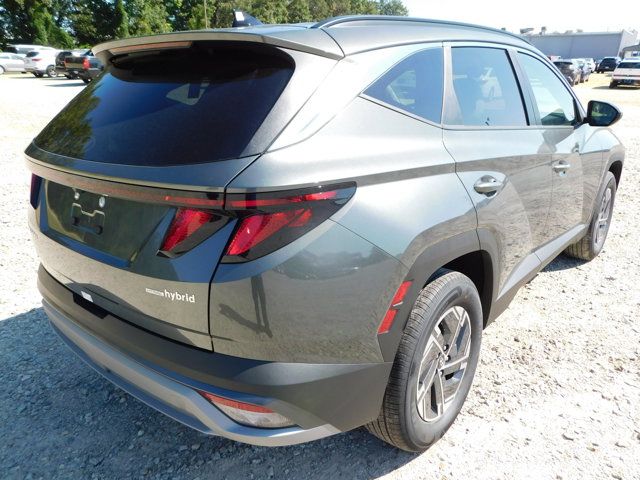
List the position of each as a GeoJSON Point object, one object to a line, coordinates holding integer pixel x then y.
{"type": "Point", "coordinates": [555, 103]}
{"type": "Point", "coordinates": [413, 85]}
{"type": "Point", "coordinates": [486, 89]}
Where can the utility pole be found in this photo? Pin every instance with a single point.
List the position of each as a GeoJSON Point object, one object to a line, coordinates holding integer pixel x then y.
{"type": "Point", "coordinates": [206, 18]}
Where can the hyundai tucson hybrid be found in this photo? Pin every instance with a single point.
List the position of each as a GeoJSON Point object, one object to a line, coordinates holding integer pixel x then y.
{"type": "Point", "coordinates": [278, 233]}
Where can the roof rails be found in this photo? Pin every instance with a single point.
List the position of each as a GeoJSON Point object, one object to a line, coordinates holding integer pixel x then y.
{"type": "Point", "coordinates": [331, 22]}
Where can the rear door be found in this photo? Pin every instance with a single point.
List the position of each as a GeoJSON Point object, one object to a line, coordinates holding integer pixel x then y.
{"type": "Point", "coordinates": [130, 206]}
{"type": "Point", "coordinates": [568, 140]}
{"type": "Point", "coordinates": [500, 156]}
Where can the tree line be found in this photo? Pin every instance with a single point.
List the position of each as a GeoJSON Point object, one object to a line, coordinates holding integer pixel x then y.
{"type": "Point", "coordinates": [73, 23]}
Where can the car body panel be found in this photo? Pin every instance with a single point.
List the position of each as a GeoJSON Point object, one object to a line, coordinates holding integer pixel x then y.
{"type": "Point", "coordinates": [12, 62]}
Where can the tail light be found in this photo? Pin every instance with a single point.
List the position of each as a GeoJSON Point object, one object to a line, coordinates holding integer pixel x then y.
{"type": "Point", "coordinates": [35, 190]}
{"type": "Point", "coordinates": [267, 222]}
{"type": "Point", "coordinates": [36, 59]}
{"type": "Point", "coordinates": [85, 63]}
{"type": "Point", "coordinates": [247, 413]}
{"type": "Point", "coordinates": [396, 303]}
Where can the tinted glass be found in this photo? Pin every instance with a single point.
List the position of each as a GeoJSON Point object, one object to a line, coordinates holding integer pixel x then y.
{"type": "Point", "coordinates": [32, 54]}
{"type": "Point", "coordinates": [555, 103]}
{"type": "Point", "coordinates": [174, 107]}
{"type": "Point", "coordinates": [486, 89]}
{"type": "Point", "coordinates": [414, 85]}
{"type": "Point", "coordinates": [629, 65]}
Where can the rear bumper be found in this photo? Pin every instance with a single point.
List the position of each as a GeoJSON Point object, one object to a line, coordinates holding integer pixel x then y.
{"type": "Point", "coordinates": [322, 399]}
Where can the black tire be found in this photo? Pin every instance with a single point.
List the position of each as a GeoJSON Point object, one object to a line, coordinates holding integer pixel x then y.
{"type": "Point", "coordinates": [38, 75]}
{"type": "Point", "coordinates": [400, 423]}
{"type": "Point", "coordinates": [1, 69]}
{"type": "Point", "coordinates": [589, 246]}
{"type": "Point", "coordinates": [51, 71]}
{"type": "Point", "coordinates": [86, 80]}
{"type": "Point", "coordinates": [613, 84]}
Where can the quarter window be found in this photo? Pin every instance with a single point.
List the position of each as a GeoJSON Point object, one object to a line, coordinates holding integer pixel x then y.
{"type": "Point", "coordinates": [485, 88]}
{"type": "Point", "coordinates": [555, 104]}
{"type": "Point", "coordinates": [413, 85]}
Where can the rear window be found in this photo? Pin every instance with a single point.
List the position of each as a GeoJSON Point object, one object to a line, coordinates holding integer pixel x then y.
{"type": "Point", "coordinates": [172, 107]}
{"type": "Point", "coordinates": [32, 54]}
{"type": "Point", "coordinates": [562, 64]}
{"type": "Point", "coordinates": [629, 65]}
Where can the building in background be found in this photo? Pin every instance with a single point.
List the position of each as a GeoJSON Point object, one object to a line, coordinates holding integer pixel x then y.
{"type": "Point", "coordinates": [583, 44]}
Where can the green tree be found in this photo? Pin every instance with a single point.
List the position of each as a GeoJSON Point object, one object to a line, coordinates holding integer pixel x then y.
{"type": "Point", "coordinates": [147, 17]}
{"type": "Point", "coordinates": [270, 11]}
{"type": "Point", "coordinates": [121, 20]}
{"type": "Point", "coordinates": [299, 11]}
{"type": "Point", "coordinates": [392, 7]}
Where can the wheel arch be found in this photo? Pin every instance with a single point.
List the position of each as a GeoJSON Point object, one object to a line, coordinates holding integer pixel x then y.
{"type": "Point", "coordinates": [461, 253]}
{"type": "Point", "coordinates": [615, 167]}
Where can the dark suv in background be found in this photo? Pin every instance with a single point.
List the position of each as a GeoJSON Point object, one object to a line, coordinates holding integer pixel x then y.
{"type": "Point", "coordinates": [279, 233]}
{"type": "Point", "coordinates": [608, 64]}
{"type": "Point", "coordinates": [571, 70]}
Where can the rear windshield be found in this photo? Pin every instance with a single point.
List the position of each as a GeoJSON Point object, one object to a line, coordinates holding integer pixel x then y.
{"type": "Point", "coordinates": [562, 64]}
{"type": "Point", "coordinates": [32, 54]}
{"type": "Point", "coordinates": [172, 107]}
{"type": "Point", "coordinates": [629, 65]}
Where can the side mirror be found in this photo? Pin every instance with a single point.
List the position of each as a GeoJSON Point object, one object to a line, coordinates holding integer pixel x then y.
{"type": "Point", "coordinates": [602, 114]}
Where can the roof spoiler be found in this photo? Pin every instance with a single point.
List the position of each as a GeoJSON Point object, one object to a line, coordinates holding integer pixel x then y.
{"type": "Point", "coordinates": [243, 19]}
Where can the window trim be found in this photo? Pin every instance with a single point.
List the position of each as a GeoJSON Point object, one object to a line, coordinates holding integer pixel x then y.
{"type": "Point", "coordinates": [382, 103]}
{"type": "Point", "coordinates": [450, 96]}
{"type": "Point", "coordinates": [577, 105]}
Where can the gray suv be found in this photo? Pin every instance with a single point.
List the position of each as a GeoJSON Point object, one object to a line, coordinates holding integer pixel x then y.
{"type": "Point", "coordinates": [278, 233]}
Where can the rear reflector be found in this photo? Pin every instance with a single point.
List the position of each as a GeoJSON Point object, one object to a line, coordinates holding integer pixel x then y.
{"type": "Point", "coordinates": [396, 303]}
{"type": "Point", "coordinates": [247, 413]}
{"type": "Point", "coordinates": [270, 221]}
{"type": "Point", "coordinates": [186, 222]}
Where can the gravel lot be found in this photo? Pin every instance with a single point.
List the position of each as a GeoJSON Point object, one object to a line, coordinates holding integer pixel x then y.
{"type": "Point", "coordinates": [556, 396]}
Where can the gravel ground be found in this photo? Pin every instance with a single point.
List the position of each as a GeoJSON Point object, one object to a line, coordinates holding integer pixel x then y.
{"type": "Point", "coordinates": [556, 395]}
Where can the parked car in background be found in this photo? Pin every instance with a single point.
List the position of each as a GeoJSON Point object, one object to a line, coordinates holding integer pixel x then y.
{"type": "Point", "coordinates": [23, 49]}
{"type": "Point", "coordinates": [585, 69]}
{"type": "Point", "coordinates": [608, 64]}
{"type": "Point", "coordinates": [592, 64]}
{"type": "Point", "coordinates": [41, 62]}
{"type": "Point", "coordinates": [275, 237]}
{"type": "Point", "coordinates": [85, 66]}
{"type": "Point", "coordinates": [11, 62]}
{"type": "Point", "coordinates": [61, 68]}
{"type": "Point", "coordinates": [626, 73]}
{"type": "Point", "coordinates": [570, 69]}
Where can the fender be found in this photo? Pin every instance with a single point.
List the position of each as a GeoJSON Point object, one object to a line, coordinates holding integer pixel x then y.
{"type": "Point", "coordinates": [423, 269]}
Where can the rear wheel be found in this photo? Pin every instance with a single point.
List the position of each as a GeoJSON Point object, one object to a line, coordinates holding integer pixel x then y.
{"type": "Point", "coordinates": [86, 80]}
{"type": "Point", "coordinates": [613, 84]}
{"type": "Point", "coordinates": [589, 246]}
{"type": "Point", "coordinates": [51, 71]}
{"type": "Point", "coordinates": [434, 366]}
{"type": "Point", "coordinates": [1, 69]}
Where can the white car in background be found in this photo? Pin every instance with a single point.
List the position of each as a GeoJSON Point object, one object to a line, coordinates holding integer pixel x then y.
{"type": "Point", "coordinates": [626, 73]}
{"type": "Point", "coordinates": [41, 62]}
{"type": "Point", "coordinates": [11, 62]}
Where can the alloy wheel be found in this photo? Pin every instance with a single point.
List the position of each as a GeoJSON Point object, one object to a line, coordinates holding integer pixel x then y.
{"type": "Point", "coordinates": [443, 364]}
{"type": "Point", "coordinates": [602, 223]}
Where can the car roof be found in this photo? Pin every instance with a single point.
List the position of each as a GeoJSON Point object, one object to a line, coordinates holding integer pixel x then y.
{"type": "Point", "coordinates": [337, 37]}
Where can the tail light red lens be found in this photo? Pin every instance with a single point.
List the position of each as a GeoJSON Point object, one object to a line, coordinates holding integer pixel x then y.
{"type": "Point", "coordinates": [186, 222]}
{"type": "Point", "coordinates": [396, 303]}
{"type": "Point", "coordinates": [267, 222]}
{"type": "Point", "coordinates": [85, 63]}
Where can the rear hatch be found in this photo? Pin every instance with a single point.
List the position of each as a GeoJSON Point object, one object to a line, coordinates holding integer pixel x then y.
{"type": "Point", "coordinates": [565, 67]}
{"type": "Point", "coordinates": [133, 172]}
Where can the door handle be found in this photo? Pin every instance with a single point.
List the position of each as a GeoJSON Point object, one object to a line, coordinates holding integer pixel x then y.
{"type": "Point", "coordinates": [487, 185]}
{"type": "Point", "coordinates": [561, 167]}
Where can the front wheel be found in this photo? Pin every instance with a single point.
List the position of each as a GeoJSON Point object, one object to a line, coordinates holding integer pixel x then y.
{"type": "Point", "coordinates": [589, 246]}
{"type": "Point", "coordinates": [434, 365]}
{"type": "Point", "coordinates": [1, 69]}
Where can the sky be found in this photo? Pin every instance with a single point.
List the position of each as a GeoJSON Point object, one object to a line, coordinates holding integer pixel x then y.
{"type": "Point", "coordinates": [560, 15]}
